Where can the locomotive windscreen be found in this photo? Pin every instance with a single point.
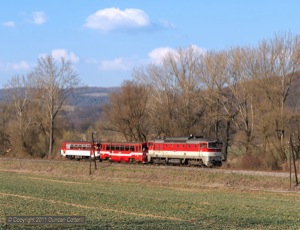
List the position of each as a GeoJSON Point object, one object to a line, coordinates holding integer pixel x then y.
{"type": "Point", "coordinates": [214, 144]}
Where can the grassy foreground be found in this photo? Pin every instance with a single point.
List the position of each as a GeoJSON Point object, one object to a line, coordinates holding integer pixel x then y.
{"type": "Point", "coordinates": [120, 196]}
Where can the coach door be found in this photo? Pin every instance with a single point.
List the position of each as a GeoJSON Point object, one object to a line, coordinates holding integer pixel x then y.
{"type": "Point", "coordinates": [145, 153]}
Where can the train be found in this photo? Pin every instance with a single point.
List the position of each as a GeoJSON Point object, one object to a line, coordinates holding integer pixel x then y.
{"type": "Point", "coordinates": [191, 150]}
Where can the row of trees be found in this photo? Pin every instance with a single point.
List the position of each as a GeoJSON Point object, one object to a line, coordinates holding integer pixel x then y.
{"type": "Point", "coordinates": [240, 95]}
{"type": "Point", "coordinates": [30, 121]}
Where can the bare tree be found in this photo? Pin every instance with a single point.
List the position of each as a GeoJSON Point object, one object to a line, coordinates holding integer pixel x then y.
{"type": "Point", "coordinates": [278, 64]}
{"type": "Point", "coordinates": [239, 83]}
{"type": "Point", "coordinates": [126, 112]}
{"type": "Point", "coordinates": [184, 69]}
{"type": "Point", "coordinates": [51, 84]}
{"type": "Point", "coordinates": [5, 145]}
{"type": "Point", "coordinates": [175, 101]}
{"type": "Point", "coordinates": [220, 112]}
{"type": "Point", "coordinates": [18, 92]}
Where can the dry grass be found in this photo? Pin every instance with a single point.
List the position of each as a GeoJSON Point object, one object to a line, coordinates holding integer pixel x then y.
{"type": "Point", "coordinates": [171, 176]}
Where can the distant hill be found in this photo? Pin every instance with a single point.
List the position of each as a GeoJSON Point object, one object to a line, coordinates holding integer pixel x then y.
{"type": "Point", "coordinates": [86, 96]}
{"type": "Point", "coordinates": [86, 104]}
{"type": "Point", "coordinates": [90, 96]}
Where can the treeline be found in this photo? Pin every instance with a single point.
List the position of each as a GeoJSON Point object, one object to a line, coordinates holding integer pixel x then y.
{"type": "Point", "coordinates": [31, 118]}
{"type": "Point", "coordinates": [241, 96]}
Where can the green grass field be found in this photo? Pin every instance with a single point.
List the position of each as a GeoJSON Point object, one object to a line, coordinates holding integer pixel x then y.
{"type": "Point", "coordinates": [120, 196]}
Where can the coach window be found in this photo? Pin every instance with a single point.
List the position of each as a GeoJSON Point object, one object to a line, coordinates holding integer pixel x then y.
{"type": "Point", "coordinates": [117, 147]}
{"type": "Point", "coordinates": [126, 148]}
{"type": "Point", "coordinates": [122, 148]}
{"type": "Point", "coordinates": [113, 147]}
{"type": "Point", "coordinates": [107, 147]}
{"type": "Point", "coordinates": [144, 147]}
{"type": "Point", "coordinates": [131, 148]}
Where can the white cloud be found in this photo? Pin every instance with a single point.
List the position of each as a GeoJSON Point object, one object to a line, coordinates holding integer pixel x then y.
{"type": "Point", "coordinates": [158, 54]}
{"type": "Point", "coordinates": [9, 24]}
{"type": "Point", "coordinates": [14, 66]}
{"type": "Point", "coordinates": [201, 51]}
{"type": "Point", "coordinates": [113, 18]}
{"type": "Point", "coordinates": [115, 64]}
{"type": "Point", "coordinates": [57, 54]}
{"type": "Point", "coordinates": [38, 18]}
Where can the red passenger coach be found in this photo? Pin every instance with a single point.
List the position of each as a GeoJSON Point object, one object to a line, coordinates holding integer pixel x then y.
{"type": "Point", "coordinates": [124, 151]}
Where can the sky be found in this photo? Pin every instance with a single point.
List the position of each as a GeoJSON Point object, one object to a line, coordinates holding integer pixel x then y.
{"type": "Point", "coordinates": [106, 39]}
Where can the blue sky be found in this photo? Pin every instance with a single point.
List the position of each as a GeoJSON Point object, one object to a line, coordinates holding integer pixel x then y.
{"type": "Point", "coordinates": [106, 39]}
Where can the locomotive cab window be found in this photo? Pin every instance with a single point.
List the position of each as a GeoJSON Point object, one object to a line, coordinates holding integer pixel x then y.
{"type": "Point", "coordinates": [212, 145]}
